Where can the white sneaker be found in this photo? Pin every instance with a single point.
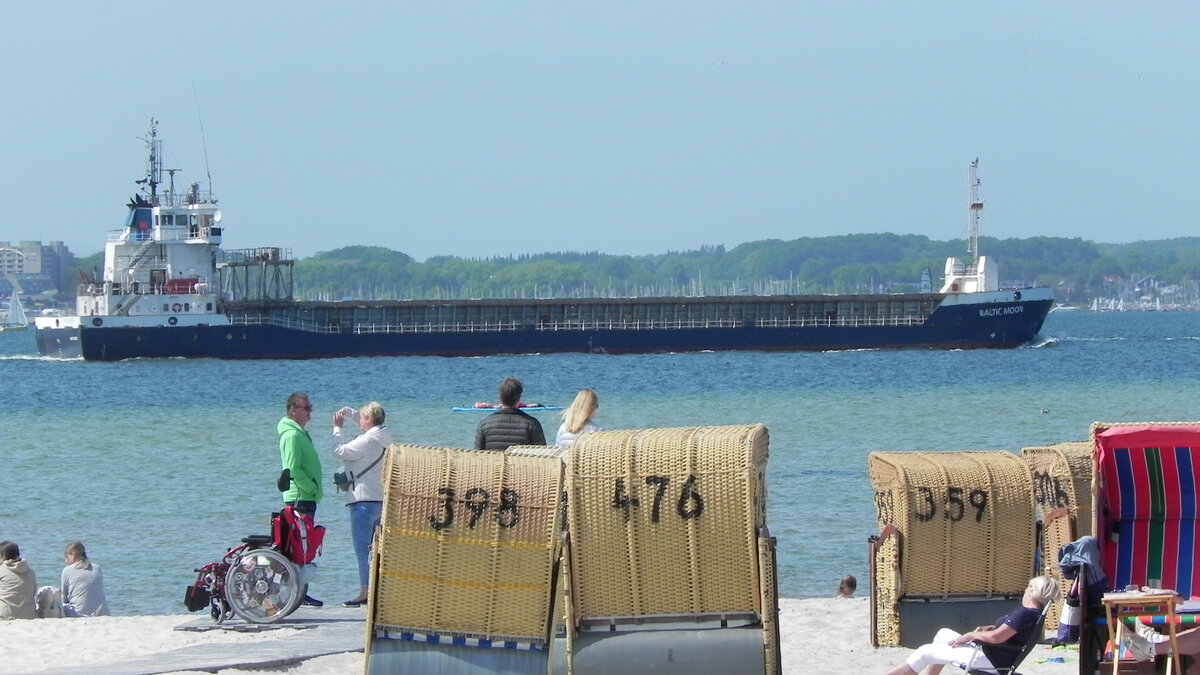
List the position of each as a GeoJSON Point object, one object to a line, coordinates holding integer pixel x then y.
{"type": "Point", "coordinates": [1139, 647]}
{"type": "Point", "coordinates": [1149, 633]}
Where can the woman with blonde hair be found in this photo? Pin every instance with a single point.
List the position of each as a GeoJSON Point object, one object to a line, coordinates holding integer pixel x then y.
{"type": "Point", "coordinates": [1015, 628]}
{"type": "Point", "coordinates": [82, 584]}
{"type": "Point", "coordinates": [363, 458]}
{"type": "Point", "coordinates": [577, 418]}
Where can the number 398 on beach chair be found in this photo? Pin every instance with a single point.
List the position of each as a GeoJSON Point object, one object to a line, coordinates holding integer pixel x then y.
{"type": "Point", "coordinates": [262, 580]}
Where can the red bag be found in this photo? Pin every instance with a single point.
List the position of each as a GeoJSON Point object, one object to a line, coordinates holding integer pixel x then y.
{"type": "Point", "coordinates": [297, 536]}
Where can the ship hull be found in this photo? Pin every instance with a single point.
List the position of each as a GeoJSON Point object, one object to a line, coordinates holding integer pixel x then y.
{"type": "Point", "coordinates": [58, 341]}
{"type": "Point", "coordinates": [958, 322]}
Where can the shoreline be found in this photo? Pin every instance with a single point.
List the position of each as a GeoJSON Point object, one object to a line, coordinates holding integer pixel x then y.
{"type": "Point", "coordinates": [818, 635]}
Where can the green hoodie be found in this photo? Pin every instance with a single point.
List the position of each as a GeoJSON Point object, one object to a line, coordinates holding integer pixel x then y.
{"type": "Point", "coordinates": [296, 452]}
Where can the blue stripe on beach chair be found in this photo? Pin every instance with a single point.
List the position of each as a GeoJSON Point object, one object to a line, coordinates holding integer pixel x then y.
{"type": "Point", "coordinates": [458, 640]}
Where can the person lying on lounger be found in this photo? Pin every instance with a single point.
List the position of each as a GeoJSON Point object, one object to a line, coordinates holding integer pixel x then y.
{"type": "Point", "coordinates": [1144, 643]}
{"type": "Point", "coordinates": [1014, 628]}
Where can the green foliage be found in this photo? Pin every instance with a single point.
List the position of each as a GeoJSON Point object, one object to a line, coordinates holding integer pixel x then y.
{"type": "Point", "coordinates": [844, 264]}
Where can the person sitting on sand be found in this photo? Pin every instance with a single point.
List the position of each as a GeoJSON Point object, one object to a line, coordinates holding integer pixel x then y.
{"type": "Point", "coordinates": [18, 584]}
{"type": "Point", "coordinates": [577, 418]}
{"type": "Point", "coordinates": [1014, 628]}
{"type": "Point", "coordinates": [847, 587]}
{"type": "Point", "coordinates": [82, 584]}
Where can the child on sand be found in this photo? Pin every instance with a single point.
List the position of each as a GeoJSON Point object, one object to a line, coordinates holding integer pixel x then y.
{"type": "Point", "coordinates": [847, 587]}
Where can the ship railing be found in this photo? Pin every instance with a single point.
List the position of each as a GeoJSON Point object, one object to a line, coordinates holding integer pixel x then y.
{"type": "Point", "coordinates": [842, 321]}
{"type": "Point", "coordinates": [509, 326]}
{"type": "Point", "coordinates": [262, 254]}
{"type": "Point", "coordinates": [200, 287]}
{"type": "Point", "coordinates": [282, 322]}
{"type": "Point", "coordinates": [485, 327]}
{"type": "Point", "coordinates": [163, 234]}
{"type": "Point", "coordinates": [638, 324]}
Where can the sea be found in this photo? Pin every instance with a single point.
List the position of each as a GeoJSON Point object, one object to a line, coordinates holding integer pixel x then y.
{"type": "Point", "coordinates": [159, 466]}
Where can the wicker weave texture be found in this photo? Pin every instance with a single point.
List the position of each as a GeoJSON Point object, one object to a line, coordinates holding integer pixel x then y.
{"type": "Point", "coordinates": [1062, 479]}
{"type": "Point", "coordinates": [769, 602]}
{"type": "Point", "coordinates": [665, 521]}
{"type": "Point", "coordinates": [468, 543]}
{"type": "Point", "coordinates": [885, 592]}
{"type": "Point", "coordinates": [966, 517]}
{"type": "Point", "coordinates": [1057, 533]}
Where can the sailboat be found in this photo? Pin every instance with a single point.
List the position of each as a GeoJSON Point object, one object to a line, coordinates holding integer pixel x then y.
{"type": "Point", "coordinates": [16, 315]}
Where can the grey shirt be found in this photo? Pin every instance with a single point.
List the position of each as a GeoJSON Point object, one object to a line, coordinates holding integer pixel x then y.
{"type": "Point", "coordinates": [83, 590]}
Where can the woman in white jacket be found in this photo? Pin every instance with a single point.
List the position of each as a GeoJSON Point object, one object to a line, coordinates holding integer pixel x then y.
{"type": "Point", "coordinates": [577, 418]}
{"type": "Point", "coordinates": [363, 459]}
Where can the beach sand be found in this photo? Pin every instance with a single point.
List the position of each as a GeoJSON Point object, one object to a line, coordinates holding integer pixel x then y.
{"type": "Point", "coordinates": [819, 636]}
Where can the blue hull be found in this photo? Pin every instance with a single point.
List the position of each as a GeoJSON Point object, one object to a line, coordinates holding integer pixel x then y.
{"type": "Point", "coordinates": [967, 326]}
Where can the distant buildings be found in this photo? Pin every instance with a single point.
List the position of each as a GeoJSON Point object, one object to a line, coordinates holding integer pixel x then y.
{"type": "Point", "coordinates": [34, 267]}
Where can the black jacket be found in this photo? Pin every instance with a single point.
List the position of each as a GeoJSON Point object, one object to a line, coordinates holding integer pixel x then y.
{"type": "Point", "coordinates": [508, 426]}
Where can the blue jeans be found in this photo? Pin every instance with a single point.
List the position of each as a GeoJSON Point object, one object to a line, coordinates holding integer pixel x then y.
{"type": "Point", "coordinates": [364, 518]}
{"type": "Point", "coordinates": [303, 507]}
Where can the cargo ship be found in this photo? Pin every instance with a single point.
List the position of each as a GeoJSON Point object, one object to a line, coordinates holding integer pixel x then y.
{"type": "Point", "coordinates": [169, 290]}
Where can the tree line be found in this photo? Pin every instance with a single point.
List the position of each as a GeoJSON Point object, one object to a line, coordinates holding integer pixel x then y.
{"type": "Point", "coordinates": [855, 263]}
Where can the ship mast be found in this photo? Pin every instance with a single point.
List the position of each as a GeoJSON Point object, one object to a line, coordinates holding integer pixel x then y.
{"type": "Point", "coordinates": [974, 207]}
{"type": "Point", "coordinates": [154, 163]}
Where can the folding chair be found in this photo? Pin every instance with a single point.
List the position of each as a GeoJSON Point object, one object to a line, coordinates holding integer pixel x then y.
{"type": "Point", "coordinates": [1035, 636]}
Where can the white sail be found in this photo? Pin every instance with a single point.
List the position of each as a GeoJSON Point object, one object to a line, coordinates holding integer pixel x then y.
{"type": "Point", "coordinates": [16, 313]}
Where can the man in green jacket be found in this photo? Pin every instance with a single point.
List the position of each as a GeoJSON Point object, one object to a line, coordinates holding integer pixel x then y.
{"type": "Point", "coordinates": [297, 454]}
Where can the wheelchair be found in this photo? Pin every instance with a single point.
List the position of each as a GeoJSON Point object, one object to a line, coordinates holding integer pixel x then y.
{"type": "Point", "coordinates": [255, 580]}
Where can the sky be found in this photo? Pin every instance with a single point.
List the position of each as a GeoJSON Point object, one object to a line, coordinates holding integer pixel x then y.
{"type": "Point", "coordinates": [492, 129]}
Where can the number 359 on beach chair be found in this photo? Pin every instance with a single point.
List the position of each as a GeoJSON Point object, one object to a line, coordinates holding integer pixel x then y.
{"type": "Point", "coordinates": [956, 543]}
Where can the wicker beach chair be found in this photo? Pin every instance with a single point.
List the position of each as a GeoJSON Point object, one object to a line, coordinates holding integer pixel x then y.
{"type": "Point", "coordinates": [956, 544]}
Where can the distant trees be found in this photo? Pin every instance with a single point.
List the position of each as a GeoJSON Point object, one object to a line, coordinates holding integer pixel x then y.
{"type": "Point", "coordinates": [840, 264]}
{"type": "Point", "coordinates": [1079, 270]}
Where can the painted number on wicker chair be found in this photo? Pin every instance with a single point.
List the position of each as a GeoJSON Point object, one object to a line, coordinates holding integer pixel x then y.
{"type": "Point", "coordinates": [885, 508]}
{"type": "Point", "coordinates": [954, 508]}
{"type": "Point", "coordinates": [690, 504]}
{"type": "Point", "coordinates": [1049, 491]}
{"type": "Point", "coordinates": [476, 501]}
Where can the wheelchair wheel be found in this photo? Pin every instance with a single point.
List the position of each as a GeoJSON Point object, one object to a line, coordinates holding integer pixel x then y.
{"type": "Point", "coordinates": [218, 609]}
{"type": "Point", "coordinates": [262, 586]}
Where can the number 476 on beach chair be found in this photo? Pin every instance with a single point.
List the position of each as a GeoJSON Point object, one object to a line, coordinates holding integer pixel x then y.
{"type": "Point", "coordinates": [1035, 636]}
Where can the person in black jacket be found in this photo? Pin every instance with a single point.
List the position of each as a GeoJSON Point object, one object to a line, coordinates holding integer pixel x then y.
{"type": "Point", "coordinates": [508, 425]}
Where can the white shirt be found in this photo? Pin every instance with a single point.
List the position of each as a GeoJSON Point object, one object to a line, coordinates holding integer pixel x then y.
{"type": "Point", "coordinates": [357, 455]}
{"type": "Point", "coordinates": [565, 439]}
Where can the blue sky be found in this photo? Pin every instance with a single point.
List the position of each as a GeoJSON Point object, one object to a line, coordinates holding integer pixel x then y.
{"type": "Point", "coordinates": [482, 129]}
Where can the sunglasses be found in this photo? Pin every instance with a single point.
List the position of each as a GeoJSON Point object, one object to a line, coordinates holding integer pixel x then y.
{"type": "Point", "coordinates": [304, 407]}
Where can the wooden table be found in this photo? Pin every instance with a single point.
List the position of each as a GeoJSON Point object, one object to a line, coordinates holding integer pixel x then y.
{"type": "Point", "coordinates": [1119, 606]}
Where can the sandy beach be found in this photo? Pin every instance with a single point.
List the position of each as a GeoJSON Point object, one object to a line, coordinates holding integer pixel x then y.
{"type": "Point", "coordinates": [820, 636]}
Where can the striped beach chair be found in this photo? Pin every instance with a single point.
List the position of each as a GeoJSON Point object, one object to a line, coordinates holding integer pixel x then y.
{"type": "Point", "coordinates": [1147, 484]}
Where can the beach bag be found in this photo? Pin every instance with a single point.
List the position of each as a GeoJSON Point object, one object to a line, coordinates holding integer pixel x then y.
{"type": "Point", "coordinates": [49, 603]}
{"type": "Point", "coordinates": [297, 536]}
{"type": "Point", "coordinates": [196, 597]}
